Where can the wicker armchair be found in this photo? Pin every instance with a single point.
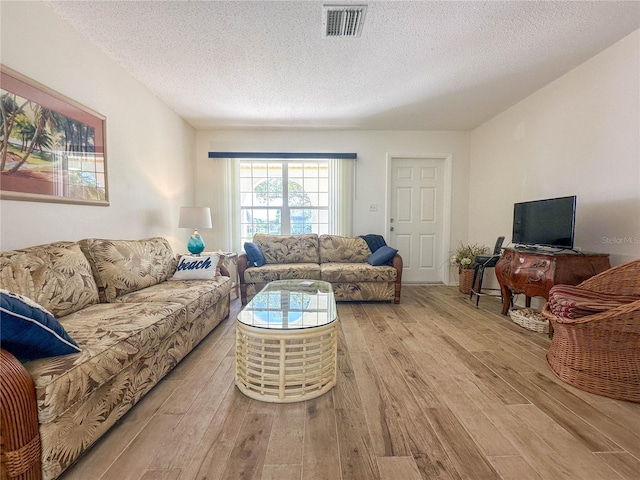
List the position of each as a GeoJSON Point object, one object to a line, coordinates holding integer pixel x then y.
{"type": "Point", "coordinates": [601, 353]}
{"type": "Point", "coordinates": [19, 435]}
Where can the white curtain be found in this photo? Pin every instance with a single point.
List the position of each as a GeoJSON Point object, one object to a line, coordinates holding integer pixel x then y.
{"type": "Point", "coordinates": [232, 175]}
{"type": "Point", "coordinates": [342, 180]}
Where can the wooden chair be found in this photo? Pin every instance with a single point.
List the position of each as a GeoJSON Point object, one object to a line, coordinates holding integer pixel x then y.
{"type": "Point", "coordinates": [600, 353]}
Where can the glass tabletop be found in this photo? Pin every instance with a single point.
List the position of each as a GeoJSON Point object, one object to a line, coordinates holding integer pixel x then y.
{"type": "Point", "coordinates": [291, 305]}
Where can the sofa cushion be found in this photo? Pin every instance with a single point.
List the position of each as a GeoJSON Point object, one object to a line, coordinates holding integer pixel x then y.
{"type": "Point", "coordinates": [124, 266]}
{"type": "Point", "coordinates": [112, 337]}
{"type": "Point", "coordinates": [196, 295]}
{"type": "Point", "coordinates": [288, 248]}
{"type": "Point", "coordinates": [269, 273]}
{"type": "Point", "coordinates": [334, 248]}
{"type": "Point", "coordinates": [29, 331]}
{"type": "Point", "coordinates": [356, 273]}
{"type": "Point", "coordinates": [56, 276]}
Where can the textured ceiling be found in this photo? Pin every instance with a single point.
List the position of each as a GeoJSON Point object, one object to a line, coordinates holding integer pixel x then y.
{"type": "Point", "coordinates": [423, 65]}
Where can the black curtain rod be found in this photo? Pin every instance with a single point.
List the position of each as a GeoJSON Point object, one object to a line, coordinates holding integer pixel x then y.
{"type": "Point", "coordinates": [301, 156]}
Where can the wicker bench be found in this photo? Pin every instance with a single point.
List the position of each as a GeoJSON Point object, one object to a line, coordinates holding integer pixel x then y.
{"type": "Point", "coordinates": [600, 353]}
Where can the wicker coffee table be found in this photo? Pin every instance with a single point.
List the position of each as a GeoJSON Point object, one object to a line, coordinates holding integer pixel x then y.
{"type": "Point", "coordinates": [286, 342]}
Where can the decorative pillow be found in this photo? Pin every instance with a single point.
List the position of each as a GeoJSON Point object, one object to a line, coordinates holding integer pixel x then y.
{"type": "Point", "coordinates": [574, 302]}
{"type": "Point", "coordinates": [29, 331]}
{"type": "Point", "coordinates": [382, 256]}
{"type": "Point", "coordinates": [254, 255]}
{"type": "Point", "coordinates": [197, 268]}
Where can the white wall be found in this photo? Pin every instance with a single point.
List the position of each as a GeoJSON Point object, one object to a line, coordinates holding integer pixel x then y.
{"type": "Point", "coordinates": [372, 148]}
{"type": "Point", "coordinates": [150, 150]}
{"type": "Point", "coordinates": [578, 135]}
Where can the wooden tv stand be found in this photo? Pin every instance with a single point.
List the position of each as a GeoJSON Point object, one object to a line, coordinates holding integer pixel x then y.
{"type": "Point", "coordinates": [534, 271]}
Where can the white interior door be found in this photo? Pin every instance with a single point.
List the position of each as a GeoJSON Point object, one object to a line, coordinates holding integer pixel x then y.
{"type": "Point", "coordinates": [417, 217]}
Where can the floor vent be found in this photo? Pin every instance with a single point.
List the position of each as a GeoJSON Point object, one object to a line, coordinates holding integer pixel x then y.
{"type": "Point", "coordinates": [343, 20]}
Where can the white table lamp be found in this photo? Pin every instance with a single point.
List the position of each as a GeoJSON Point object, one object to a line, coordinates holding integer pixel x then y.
{"type": "Point", "coordinates": [195, 217]}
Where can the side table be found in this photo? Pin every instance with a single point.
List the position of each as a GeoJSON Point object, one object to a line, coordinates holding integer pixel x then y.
{"type": "Point", "coordinates": [230, 262]}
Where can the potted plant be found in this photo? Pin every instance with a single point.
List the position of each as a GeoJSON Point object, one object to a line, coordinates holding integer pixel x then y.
{"type": "Point", "coordinates": [463, 259]}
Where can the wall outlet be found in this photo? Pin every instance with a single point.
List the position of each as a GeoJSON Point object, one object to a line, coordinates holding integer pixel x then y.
{"type": "Point", "coordinates": [373, 207]}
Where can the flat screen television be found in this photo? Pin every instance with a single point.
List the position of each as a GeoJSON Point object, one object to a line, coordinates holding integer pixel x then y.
{"type": "Point", "coordinates": [547, 223]}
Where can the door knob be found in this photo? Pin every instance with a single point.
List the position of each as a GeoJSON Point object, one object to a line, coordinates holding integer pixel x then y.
{"type": "Point", "coordinates": [391, 229]}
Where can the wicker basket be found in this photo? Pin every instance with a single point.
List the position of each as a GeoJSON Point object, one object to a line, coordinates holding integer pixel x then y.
{"type": "Point", "coordinates": [465, 280]}
{"type": "Point", "coordinates": [530, 319]}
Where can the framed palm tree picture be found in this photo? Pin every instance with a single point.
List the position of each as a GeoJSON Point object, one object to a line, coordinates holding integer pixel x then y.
{"type": "Point", "coordinates": [52, 149]}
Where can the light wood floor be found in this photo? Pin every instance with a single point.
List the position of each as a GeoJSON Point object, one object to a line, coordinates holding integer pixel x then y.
{"type": "Point", "coordinates": [432, 388]}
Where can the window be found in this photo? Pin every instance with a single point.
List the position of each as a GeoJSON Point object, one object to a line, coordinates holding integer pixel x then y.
{"type": "Point", "coordinates": [285, 193]}
{"type": "Point", "coordinates": [281, 197]}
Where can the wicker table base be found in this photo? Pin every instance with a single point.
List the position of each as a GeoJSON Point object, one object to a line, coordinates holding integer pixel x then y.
{"type": "Point", "coordinates": [287, 342]}
{"type": "Point", "coordinates": [285, 366]}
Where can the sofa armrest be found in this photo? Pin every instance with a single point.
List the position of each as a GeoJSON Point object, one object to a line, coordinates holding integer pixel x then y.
{"type": "Point", "coordinates": [224, 271]}
{"type": "Point", "coordinates": [243, 264]}
{"type": "Point", "coordinates": [398, 265]}
{"type": "Point", "coordinates": [20, 437]}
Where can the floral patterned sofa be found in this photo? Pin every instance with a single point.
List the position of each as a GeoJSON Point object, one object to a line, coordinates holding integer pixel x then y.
{"type": "Point", "coordinates": [133, 324]}
{"type": "Point", "coordinates": [341, 261]}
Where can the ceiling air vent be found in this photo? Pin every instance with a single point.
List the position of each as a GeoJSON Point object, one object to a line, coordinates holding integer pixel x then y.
{"type": "Point", "coordinates": [343, 20]}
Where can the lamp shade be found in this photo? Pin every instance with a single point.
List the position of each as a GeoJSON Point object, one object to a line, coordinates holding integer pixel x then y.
{"type": "Point", "coordinates": [195, 217]}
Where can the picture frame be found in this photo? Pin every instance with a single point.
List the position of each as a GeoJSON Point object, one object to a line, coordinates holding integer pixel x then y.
{"type": "Point", "coordinates": [52, 148]}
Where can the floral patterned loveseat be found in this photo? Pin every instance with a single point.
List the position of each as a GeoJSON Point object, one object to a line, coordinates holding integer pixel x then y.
{"type": "Point", "coordinates": [341, 261]}
{"type": "Point", "coordinates": [133, 324]}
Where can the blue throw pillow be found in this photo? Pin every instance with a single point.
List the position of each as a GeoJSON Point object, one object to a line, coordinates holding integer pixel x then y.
{"type": "Point", "coordinates": [29, 331]}
{"type": "Point", "coordinates": [254, 255]}
{"type": "Point", "coordinates": [382, 256]}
